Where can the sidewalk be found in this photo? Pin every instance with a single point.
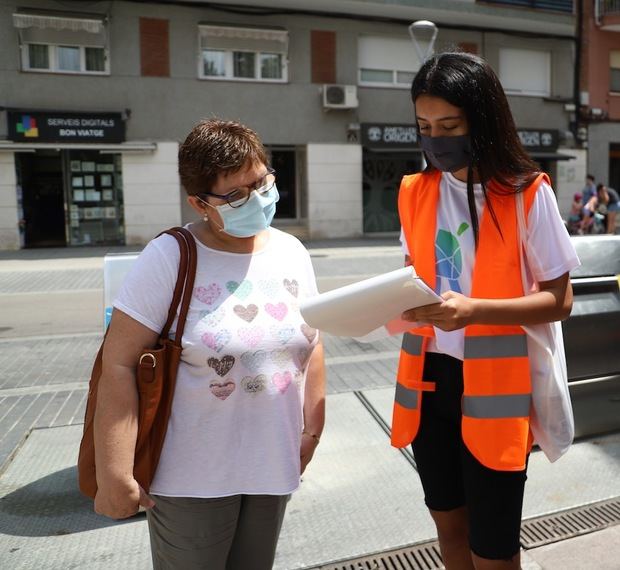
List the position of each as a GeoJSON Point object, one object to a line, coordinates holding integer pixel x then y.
{"type": "Point", "coordinates": [358, 497]}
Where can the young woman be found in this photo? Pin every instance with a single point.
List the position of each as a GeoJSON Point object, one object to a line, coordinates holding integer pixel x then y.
{"type": "Point", "coordinates": [248, 407]}
{"type": "Point", "coordinates": [463, 394]}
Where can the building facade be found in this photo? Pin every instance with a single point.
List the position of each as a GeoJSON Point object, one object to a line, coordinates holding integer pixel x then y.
{"type": "Point", "coordinates": [600, 89]}
{"type": "Point", "coordinates": [96, 97]}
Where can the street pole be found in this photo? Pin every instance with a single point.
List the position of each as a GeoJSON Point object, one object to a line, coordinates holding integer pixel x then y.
{"type": "Point", "coordinates": [423, 28]}
{"type": "Point", "coordinates": [427, 29]}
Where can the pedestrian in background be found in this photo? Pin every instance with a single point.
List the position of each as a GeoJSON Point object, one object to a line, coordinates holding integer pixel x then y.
{"type": "Point", "coordinates": [576, 214]}
{"type": "Point", "coordinates": [589, 189]}
{"type": "Point", "coordinates": [610, 198]}
{"type": "Point", "coordinates": [590, 201]}
{"type": "Point", "coordinates": [464, 391]}
{"type": "Point", "coordinates": [248, 408]}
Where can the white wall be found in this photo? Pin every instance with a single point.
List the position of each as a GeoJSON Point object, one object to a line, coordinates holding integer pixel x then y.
{"type": "Point", "coordinates": [9, 232]}
{"type": "Point", "coordinates": [151, 193]}
{"type": "Point", "coordinates": [334, 190]}
{"type": "Point", "coordinates": [571, 178]}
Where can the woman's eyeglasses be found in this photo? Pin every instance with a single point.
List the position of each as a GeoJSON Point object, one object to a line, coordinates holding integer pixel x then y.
{"type": "Point", "coordinates": [239, 196]}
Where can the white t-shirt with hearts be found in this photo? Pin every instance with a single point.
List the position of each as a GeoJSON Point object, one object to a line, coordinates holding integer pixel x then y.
{"type": "Point", "coordinates": [237, 413]}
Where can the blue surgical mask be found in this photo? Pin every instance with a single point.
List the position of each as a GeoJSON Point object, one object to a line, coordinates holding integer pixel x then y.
{"type": "Point", "coordinates": [253, 217]}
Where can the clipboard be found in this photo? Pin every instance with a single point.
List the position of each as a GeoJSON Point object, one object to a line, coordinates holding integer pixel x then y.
{"type": "Point", "coordinates": [359, 308]}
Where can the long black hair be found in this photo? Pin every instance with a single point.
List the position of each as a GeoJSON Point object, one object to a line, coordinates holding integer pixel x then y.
{"type": "Point", "coordinates": [468, 82]}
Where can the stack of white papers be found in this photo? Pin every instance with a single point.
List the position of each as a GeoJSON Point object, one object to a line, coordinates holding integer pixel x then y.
{"type": "Point", "coordinates": [360, 308]}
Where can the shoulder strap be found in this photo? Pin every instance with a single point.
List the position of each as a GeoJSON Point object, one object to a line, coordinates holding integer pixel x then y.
{"type": "Point", "coordinates": [185, 282]}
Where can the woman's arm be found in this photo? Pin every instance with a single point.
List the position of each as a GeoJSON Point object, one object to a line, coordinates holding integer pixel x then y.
{"type": "Point", "coordinates": [116, 418]}
{"type": "Point", "coordinates": [553, 302]}
{"type": "Point", "coordinates": [314, 405]}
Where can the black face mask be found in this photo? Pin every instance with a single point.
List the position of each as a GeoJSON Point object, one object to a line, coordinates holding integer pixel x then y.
{"type": "Point", "coordinates": [447, 154]}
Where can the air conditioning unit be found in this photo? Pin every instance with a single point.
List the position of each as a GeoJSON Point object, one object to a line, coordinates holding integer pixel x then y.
{"type": "Point", "coordinates": [340, 97]}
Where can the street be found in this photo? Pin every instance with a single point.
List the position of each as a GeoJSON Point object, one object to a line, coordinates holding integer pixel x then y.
{"type": "Point", "coordinates": [51, 305]}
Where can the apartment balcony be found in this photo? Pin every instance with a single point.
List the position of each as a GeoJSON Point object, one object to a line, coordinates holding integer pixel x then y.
{"type": "Point", "coordinates": [607, 13]}
{"type": "Point", "coordinates": [565, 6]}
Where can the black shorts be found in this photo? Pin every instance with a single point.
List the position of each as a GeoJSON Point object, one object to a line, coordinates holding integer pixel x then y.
{"type": "Point", "coordinates": [452, 477]}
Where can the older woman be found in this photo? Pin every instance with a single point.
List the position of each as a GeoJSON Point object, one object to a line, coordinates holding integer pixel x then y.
{"type": "Point", "coordinates": [248, 408]}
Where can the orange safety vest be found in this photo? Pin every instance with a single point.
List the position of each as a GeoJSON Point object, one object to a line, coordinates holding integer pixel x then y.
{"type": "Point", "coordinates": [496, 373]}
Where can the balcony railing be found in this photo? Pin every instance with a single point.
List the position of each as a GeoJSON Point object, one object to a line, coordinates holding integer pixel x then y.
{"type": "Point", "coordinates": [551, 5]}
{"type": "Point", "coordinates": [606, 7]}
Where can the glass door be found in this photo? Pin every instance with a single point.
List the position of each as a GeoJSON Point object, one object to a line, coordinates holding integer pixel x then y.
{"type": "Point", "coordinates": [382, 174]}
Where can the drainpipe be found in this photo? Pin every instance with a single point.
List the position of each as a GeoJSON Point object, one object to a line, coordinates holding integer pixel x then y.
{"type": "Point", "coordinates": [578, 58]}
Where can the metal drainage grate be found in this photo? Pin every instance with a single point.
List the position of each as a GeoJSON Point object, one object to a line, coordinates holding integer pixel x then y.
{"type": "Point", "coordinates": [570, 523]}
{"type": "Point", "coordinates": [423, 556]}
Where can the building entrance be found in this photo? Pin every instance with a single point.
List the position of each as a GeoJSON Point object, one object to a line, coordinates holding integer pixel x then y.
{"type": "Point", "coordinates": [69, 197]}
{"type": "Point", "coordinates": [40, 181]}
{"type": "Point", "coordinates": [382, 174]}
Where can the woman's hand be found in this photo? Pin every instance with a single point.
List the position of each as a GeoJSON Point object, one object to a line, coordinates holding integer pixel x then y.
{"type": "Point", "coordinates": [308, 445]}
{"type": "Point", "coordinates": [454, 312]}
{"type": "Point", "coordinates": [121, 500]}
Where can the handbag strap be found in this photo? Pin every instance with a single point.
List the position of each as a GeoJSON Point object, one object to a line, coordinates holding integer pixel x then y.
{"type": "Point", "coordinates": [185, 282]}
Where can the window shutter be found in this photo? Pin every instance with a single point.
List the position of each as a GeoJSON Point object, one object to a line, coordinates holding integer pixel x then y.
{"type": "Point", "coordinates": [154, 47]}
{"type": "Point", "coordinates": [323, 56]}
{"type": "Point", "coordinates": [524, 71]}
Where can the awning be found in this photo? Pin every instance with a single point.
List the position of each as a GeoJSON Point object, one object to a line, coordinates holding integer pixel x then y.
{"type": "Point", "coordinates": [243, 33]}
{"type": "Point", "coordinates": [92, 25]}
{"type": "Point", "coordinates": [270, 40]}
{"type": "Point", "coordinates": [551, 156]}
{"type": "Point", "coordinates": [136, 146]}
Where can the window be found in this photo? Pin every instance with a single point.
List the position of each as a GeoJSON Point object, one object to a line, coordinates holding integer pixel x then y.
{"type": "Point", "coordinates": [244, 54]}
{"type": "Point", "coordinates": [387, 62]}
{"type": "Point", "coordinates": [62, 44]}
{"type": "Point", "coordinates": [525, 71]}
{"type": "Point", "coordinates": [614, 71]}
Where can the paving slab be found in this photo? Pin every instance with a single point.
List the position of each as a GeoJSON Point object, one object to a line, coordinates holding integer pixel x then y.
{"type": "Point", "coordinates": [588, 472]}
{"type": "Point", "coordinates": [358, 496]}
{"type": "Point", "coordinates": [596, 551]}
{"type": "Point", "coordinates": [46, 523]}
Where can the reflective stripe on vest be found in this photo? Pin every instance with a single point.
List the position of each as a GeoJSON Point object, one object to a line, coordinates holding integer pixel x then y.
{"type": "Point", "coordinates": [492, 407]}
{"type": "Point", "coordinates": [406, 397]}
{"type": "Point", "coordinates": [412, 344]}
{"type": "Point", "coordinates": [495, 346]}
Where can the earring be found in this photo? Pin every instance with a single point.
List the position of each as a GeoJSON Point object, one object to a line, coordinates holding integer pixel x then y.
{"type": "Point", "coordinates": [205, 217]}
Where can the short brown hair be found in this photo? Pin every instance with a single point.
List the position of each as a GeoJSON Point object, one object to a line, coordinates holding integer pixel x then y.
{"type": "Point", "coordinates": [214, 147]}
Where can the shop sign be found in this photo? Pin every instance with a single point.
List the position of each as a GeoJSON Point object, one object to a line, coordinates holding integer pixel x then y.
{"type": "Point", "coordinates": [49, 126]}
{"type": "Point", "coordinates": [539, 140]}
{"type": "Point", "coordinates": [388, 135]}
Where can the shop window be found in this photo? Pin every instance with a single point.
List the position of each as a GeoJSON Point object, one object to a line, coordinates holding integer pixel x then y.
{"type": "Point", "coordinates": [245, 54]}
{"type": "Point", "coordinates": [62, 44]}
{"type": "Point", "coordinates": [95, 197]}
{"type": "Point", "coordinates": [386, 62]}
{"type": "Point", "coordinates": [614, 71]}
{"type": "Point", "coordinates": [525, 71]}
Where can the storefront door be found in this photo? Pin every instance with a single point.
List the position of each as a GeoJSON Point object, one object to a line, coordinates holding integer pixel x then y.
{"type": "Point", "coordinates": [70, 197]}
{"type": "Point", "coordinates": [40, 178]}
{"type": "Point", "coordinates": [284, 162]}
{"type": "Point", "coordinates": [382, 174]}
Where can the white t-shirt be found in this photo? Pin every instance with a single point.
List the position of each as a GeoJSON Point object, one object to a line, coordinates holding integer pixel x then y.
{"type": "Point", "coordinates": [237, 413]}
{"type": "Point", "coordinates": [550, 252]}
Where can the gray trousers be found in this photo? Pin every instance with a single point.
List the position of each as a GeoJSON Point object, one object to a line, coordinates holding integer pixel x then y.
{"type": "Point", "coordinates": [239, 532]}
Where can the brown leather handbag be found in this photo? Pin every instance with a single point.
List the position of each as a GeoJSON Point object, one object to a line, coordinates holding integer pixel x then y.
{"type": "Point", "coordinates": [156, 373]}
